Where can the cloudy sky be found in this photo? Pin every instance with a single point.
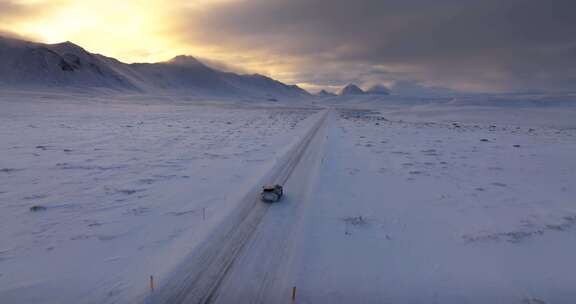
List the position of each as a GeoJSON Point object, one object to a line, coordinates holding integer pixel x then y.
{"type": "Point", "coordinates": [465, 45]}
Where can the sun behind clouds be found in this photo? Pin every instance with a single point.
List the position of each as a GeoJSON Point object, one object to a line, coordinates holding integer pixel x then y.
{"type": "Point", "coordinates": [135, 31]}
{"type": "Point", "coordinates": [132, 31]}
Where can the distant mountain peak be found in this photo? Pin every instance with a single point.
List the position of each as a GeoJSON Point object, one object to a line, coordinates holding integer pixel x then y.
{"type": "Point", "coordinates": [67, 43]}
{"type": "Point", "coordinates": [379, 89]}
{"type": "Point", "coordinates": [185, 60]}
{"type": "Point", "coordinates": [324, 93]}
{"type": "Point", "coordinates": [351, 89]}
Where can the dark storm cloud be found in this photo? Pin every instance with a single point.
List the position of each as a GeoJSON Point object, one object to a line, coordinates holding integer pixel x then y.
{"type": "Point", "coordinates": [464, 44]}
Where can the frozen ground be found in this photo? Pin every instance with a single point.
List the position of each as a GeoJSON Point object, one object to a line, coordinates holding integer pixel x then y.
{"type": "Point", "coordinates": [129, 190]}
{"type": "Point", "coordinates": [426, 203]}
{"type": "Point", "coordinates": [443, 205]}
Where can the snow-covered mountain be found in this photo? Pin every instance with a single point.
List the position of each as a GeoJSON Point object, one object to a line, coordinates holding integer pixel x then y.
{"type": "Point", "coordinates": [27, 64]}
{"type": "Point", "coordinates": [378, 90]}
{"type": "Point", "coordinates": [324, 93]}
{"type": "Point", "coordinates": [351, 89]}
{"type": "Point", "coordinates": [31, 65]}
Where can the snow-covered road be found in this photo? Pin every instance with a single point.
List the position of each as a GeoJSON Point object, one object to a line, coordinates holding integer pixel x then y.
{"type": "Point", "coordinates": [202, 277]}
{"type": "Point", "coordinates": [268, 257]}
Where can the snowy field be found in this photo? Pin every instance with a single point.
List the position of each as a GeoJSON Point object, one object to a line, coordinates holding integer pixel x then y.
{"type": "Point", "coordinates": [443, 205]}
{"type": "Point", "coordinates": [424, 203]}
{"type": "Point", "coordinates": [128, 190]}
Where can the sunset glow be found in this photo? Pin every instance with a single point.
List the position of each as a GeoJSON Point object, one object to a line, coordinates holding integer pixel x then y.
{"type": "Point", "coordinates": [133, 31]}
{"type": "Point", "coordinates": [350, 41]}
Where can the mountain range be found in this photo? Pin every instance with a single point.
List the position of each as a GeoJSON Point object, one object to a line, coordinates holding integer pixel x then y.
{"type": "Point", "coordinates": [31, 65]}
{"type": "Point", "coordinates": [354, 90]}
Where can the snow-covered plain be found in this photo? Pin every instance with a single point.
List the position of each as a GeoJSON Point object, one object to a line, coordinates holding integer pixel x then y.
{"type": "Point", "coordinates": [390, 203]}
{"type": "Point", "coordinates": [440, 205]}
{"type": "Point", "coordinates": [129, 190]}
